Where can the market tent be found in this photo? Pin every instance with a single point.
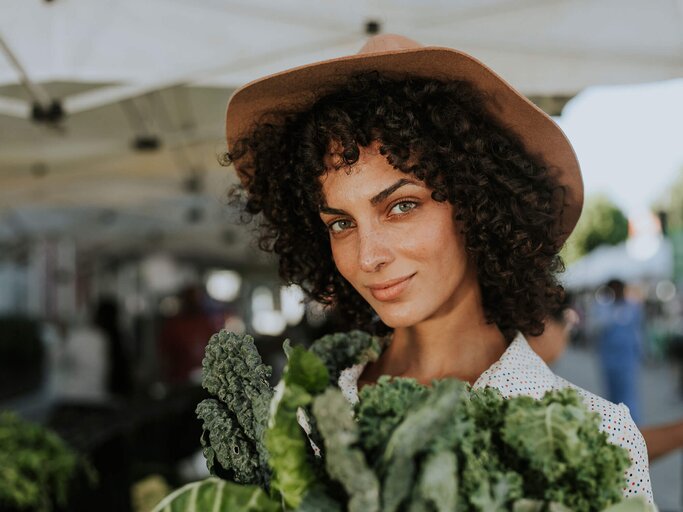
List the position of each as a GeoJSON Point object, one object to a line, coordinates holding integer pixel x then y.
{"type": "Point", "coordinates": [649, 259]}
{"type": "Point", "coordinates": [124, 118]}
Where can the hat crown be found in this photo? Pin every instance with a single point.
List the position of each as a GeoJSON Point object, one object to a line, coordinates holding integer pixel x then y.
{"type": "Point", "coordinates": [388, 43]}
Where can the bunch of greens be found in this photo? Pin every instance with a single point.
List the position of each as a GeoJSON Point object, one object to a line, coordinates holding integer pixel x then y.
{"type": "Point", "coordinates": [36, 466]}
{"type": "Point", "coordinates": [403, 447]}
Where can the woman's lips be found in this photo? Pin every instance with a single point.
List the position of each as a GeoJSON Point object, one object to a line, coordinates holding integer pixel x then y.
{"type": "Point", "coordinates": [390, 290]}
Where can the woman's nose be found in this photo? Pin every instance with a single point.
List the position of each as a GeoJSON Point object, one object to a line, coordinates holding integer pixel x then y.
{"type": "Point", "coordinates": [374, 251]}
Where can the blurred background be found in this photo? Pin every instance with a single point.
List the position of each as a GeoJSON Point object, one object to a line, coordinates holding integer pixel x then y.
{"type": "Point", "coordinates": [120, 252]}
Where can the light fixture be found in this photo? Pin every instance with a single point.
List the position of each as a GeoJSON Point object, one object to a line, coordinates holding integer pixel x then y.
{"type": "Point", "coordinates": [292, 304]}
{"type": "Point", "coordinates": [223, 285]}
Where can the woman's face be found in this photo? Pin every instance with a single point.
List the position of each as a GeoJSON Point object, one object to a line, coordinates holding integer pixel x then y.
{"type": "Point", "coordinates": [398, 247]}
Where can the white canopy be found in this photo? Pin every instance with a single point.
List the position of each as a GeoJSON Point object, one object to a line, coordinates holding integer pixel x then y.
{"type": "Point", "coordinates": [648, 259]}
{"type": "Point", "coordinates": [128, 72]}
{"type": "Point", "coordinates": [540, 46]}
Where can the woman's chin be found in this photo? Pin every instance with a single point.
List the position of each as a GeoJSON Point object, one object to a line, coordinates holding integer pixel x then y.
{"type": "Point", "coordinates": [398, 319]}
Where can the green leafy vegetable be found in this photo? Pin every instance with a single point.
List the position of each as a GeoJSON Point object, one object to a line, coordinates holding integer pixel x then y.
{"type": "Point", "coordinates": [36, 466]}
{"type": "Point", "coordinates": [286, 442]}
{"type": "Point", "coordinates": [382, 407]}
{"type": "Point", "coordinates": [216, 495]}
{"type": "Point", "coordinates": [438, 483]}
{"type": "Point", "coordinates": [343, 350]}
{"type": "Point", "coordinates": [229, 453]}
{"type": "Point", "coordinates": [234, 424]}
{"type": "Point", "coordinates": [561, 441]}
{"type": "Point", "coordinates": [345, 463]}
{"type": "Point", "coordinates": [423, 424]}
{"type": "Point", "coordinates": [405, 447]}
{"type": "Point", "coordinates": [316, 500]}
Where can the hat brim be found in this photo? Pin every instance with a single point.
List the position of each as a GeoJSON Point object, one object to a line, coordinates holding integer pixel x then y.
{"type": "Point", "coordinates": [298, 88]}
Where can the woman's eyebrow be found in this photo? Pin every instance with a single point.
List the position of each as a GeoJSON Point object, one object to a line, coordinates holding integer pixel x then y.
{"type": "Point", "coordinates": [331, 211]}
{"type": "Point", "coordinates": [378, 198]}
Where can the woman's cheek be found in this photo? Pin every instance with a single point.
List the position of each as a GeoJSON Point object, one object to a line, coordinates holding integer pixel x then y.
{"type": "Point", "coordinates": [342, 259]}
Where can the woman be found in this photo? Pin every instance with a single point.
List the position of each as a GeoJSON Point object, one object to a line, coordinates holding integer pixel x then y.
{"type": "Point", "coordinates": [426, 199]}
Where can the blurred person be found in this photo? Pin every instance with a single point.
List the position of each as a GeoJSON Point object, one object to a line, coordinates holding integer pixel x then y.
{"type": "Point", "coordinates": [184, 337]}
{"type": "Point", "coordinates": [82, 364]}
{"type": "Point", "coordinates": [618, 325]}
{"type": "Point", "coordinates": [552, 343]}
{"type": "Point", "coordinates": [107, 319]}
{"type": "Point", "coordinates": [661, 440]}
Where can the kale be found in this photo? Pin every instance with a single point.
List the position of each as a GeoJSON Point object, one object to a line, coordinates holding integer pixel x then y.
{"type": "Point", "coordinates": [381, 408]}
{"type": "Point", "coordinates": [404, 446]}
{"type": "Point", "coordinates": [293, 476]}
{"type": "Point", "coordinates": [344, 349]}
{"type": "Point", "coordinates": [235, 423]}
{"type": "Point", "coordinates": [38, 469]}
{"type": "Point", "coordinates": [560, 440]}
{"type": "Point", "coordinates": [423, 424]}
{"type": "Point", "coordinates": [229, 453]}
{"type": "Point", "coordinates": [345, 463]}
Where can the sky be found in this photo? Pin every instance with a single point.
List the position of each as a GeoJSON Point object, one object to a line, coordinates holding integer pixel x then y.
{"type": "Point", "coordinates": [629, 140]}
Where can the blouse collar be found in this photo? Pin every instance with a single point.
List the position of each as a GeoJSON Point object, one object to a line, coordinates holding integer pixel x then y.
{"type": "Point", "coordinates": [518, 371]}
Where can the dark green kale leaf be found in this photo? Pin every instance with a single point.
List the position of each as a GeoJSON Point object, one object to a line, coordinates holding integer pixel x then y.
{"type": "Point", "coordinates": [382, 407]}
{"type": "Point", "coordinates": [344, 349]}
{"type": "Point", "coordinates": [489, 479]}
{"type": "Point", "coordinates": [316, 500]}
{"type": "Point", "coordinates": [229, 454]}
{"type": "Point", "coordinates": [234, 372]}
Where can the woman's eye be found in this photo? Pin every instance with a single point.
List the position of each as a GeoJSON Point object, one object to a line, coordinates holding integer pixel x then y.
{"type": "Point", "coordinates": [340, 225]}
{"type": "Point", "coordinates": [403, 207]}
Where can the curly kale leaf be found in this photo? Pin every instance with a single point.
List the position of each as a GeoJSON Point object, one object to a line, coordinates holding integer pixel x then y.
{"type": "Point", "coordinates": [546, 432]}
{"type": "Point", "coordinates": [486, 407]}
{"type": "Point", "coordinates": [344, 349]}
{"type": "Point", "coordinates": [229, 454]}
{"type": "Point", "coordinates": [344, 462]}
{"type": "Point", "coordinates": [487, 481]}
{"type": "Point", "coordinates": [382, 407]}
{"type": "Point", "coordinates": [560, 440]}
{"type": "Point", "coordinates": [234, 372]}
{"type": "Point", "coordinates": [422, 426]}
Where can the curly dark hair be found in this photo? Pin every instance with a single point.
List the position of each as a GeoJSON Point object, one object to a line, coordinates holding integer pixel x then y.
{"type": "Point", "coordinates": [440, 132]}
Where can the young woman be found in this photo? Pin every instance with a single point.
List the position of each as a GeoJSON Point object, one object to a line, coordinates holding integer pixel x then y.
{"type": "Point", "coordinates": [426, 199]}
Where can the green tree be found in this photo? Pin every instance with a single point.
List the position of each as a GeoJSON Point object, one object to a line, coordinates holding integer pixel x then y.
{"type": "Point", "coordinates": [671, 203]}
{"type": "Point", "coordinates": [602, 222]}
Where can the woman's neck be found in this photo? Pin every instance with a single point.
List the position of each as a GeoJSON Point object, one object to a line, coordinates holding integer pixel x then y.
{"type": "Point", "coordinates": [463, 354]}
{"type": "Point", "coordinates": [459, 344]}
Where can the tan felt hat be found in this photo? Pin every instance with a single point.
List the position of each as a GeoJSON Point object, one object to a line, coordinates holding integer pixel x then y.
{"type": "Point", "coordinates": [397, 56]}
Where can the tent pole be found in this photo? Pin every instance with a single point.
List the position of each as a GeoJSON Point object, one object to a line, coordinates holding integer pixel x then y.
{"type": "Point", "coordinates": [38, 94]}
